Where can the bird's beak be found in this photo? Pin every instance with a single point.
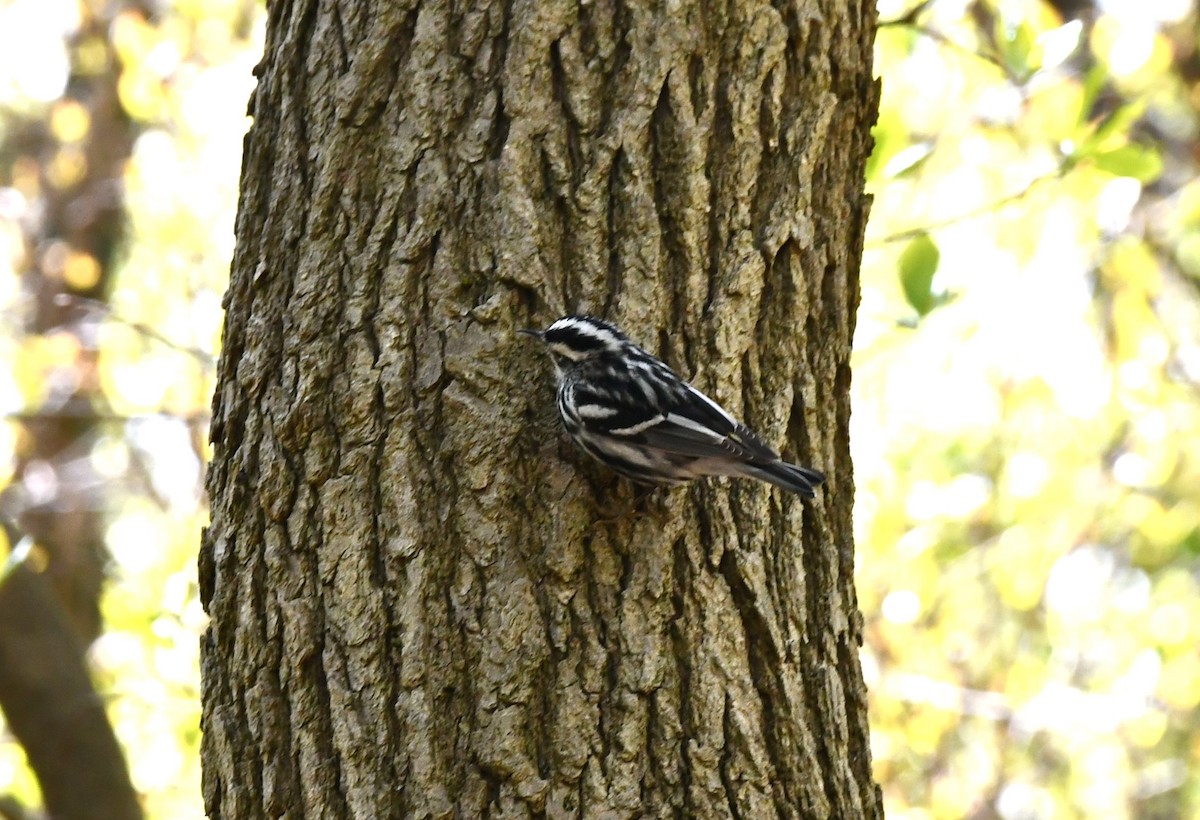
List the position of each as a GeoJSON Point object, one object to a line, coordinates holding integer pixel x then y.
{"type": "Point", "coordinates": [531, 331]}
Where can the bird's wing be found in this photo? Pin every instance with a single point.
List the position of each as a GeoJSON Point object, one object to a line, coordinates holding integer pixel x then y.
{"type": "Point", "coordinates": [686, 423]}
{"type": "Point", "coordinates": [697, 425]}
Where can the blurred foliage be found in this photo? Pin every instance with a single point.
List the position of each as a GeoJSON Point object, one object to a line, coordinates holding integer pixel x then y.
{"type": "Point", "coordinates": [1027, 453]}
{"type": "Point", "coordinates": [1026, 396]}
{"type": "Point", "coordinates": [184, 80]}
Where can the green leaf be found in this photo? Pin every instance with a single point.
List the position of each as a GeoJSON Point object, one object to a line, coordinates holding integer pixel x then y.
{"type": "Point", "coordinates": [1093, 83]}
{"type": "Point", "coordinates": [1015, 47]}
{"type": "Point", "coordinates": [1109, 131]}
{"type": "Point", "coordinates": [887, 136]}
{"type": "Point", "coordinates": [1018, 52]}
{"type": "Point", "coordinates": [1137, 161]}
{"type": "Point", "coordinates": [891, 137]}
{"type": "Point", "coordinates": [918, 263]}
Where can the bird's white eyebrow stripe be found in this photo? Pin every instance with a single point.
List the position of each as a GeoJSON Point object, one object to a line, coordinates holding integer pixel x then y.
{"type": "Point", "coordinates": [603, 335]}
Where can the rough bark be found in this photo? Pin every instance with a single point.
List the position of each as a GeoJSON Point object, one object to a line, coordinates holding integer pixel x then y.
{"type": "Point", "coordinates": [424, 602]}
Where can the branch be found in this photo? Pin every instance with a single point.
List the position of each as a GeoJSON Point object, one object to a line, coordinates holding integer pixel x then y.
{"type": "Point", "coordinates": [942, 40]}
{"type": "Point", "coordinates": [52, 708]}
{"type": "Point", "coordinates": [911, 233]}
{"type": "Point", "coordinates": [97, 307]}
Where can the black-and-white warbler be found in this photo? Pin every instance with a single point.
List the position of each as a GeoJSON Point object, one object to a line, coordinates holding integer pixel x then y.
{"type": "Point", "coordinates": [630, 411]}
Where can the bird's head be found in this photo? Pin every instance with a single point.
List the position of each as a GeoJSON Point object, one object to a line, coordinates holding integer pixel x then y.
{"type": "Point", "coordinates": [572, 340]}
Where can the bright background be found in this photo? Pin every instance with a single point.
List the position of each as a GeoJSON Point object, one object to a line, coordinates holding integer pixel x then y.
{"type": "Point", "coordinates": [1026, 425]}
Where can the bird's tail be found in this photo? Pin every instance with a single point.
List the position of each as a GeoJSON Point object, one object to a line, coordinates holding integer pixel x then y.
{"type": "Point", "coordinates": [795, 479]}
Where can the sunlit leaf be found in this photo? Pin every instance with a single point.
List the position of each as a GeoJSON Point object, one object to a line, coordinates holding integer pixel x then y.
{"type": "Point", "coordinates": [891, 137]}
{"type": "Point", "coordinates": [1018, 50]}
{"type": "Point", "coordinates": [1093, 83]}
{"type": "Point", "coordinates": [1115, 125]}
{"type": "Point", "coordinates": [1136, 161]}
{"type": "Point", "coordinates": [918, 263]}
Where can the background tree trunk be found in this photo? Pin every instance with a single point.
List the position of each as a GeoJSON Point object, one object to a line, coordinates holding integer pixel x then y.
{"type": "Point", "coordinates": [74, 224]}
{"type": "Point", "coordinates": [424, 602]}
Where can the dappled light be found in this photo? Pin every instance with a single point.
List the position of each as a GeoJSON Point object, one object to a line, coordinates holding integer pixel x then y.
{"type": "Point", "coordinates": [1027, 429]}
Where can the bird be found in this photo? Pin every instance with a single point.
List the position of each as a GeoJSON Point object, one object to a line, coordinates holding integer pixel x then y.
{"type": "Point", "coordinates": [630, 411]}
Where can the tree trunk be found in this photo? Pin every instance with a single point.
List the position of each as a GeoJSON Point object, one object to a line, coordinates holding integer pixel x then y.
{"type": "Point", "coordinates": [424, 601]}
{"type": "Point", "coordinates": [52, 709]}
